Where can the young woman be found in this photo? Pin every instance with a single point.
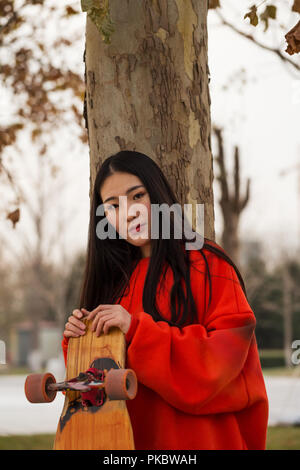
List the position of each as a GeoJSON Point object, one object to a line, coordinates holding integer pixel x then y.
{"type": "Point", "coordinates": [188, 326]}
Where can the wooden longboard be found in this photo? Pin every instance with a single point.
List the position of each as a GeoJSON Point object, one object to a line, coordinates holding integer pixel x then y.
{"type": "Point", "coordinates": [92, 427]}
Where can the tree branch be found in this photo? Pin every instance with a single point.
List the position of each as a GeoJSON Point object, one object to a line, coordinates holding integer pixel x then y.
{"type": "Point", "coordinates": [276, 51]}
{"type": "Point", "coordinates": [220, 159]}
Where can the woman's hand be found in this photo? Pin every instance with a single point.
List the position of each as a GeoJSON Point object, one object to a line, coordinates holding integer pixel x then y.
{"type": "Point", "coordinates": [74, 327]}
{"type": "Point", "coordinates": [107, 315]}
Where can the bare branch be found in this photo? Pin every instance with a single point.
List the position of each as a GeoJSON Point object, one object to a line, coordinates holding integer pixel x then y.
{"type": "Point", "coordinates": [247, 196]}
{"type": "Point", "coordinates": [236, 197]}
{"type": "Point", "coordinates": [221, 162]}
{"type": "Point", "coordinates": [275, 50]}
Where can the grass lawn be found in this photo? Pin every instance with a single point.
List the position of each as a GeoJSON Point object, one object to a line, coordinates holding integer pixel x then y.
{"type": "Point", "coordinates": [279, 438]}
{"type": "Point", "coordinates": [283, 438]}
{"type": "Point", "coordinates": [281, 371]}
{"type": "Point", "coordinates": [34, 442]}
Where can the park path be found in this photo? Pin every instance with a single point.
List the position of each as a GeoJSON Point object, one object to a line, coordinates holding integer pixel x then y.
{"type": "Point", "coordinates": [18, 416]}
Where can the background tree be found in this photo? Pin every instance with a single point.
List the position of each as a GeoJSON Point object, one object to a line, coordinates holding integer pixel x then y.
{"type": "Point", "coordinates": [147, 89]}
{"type": "Point", "coordinates": [47, 273]}
{"type": "Point", "coordinates": [264, 291]}
{"type": "Point", "coordinates": [37, 82]}
{"type": "Point", "coordinates": [232, 202]}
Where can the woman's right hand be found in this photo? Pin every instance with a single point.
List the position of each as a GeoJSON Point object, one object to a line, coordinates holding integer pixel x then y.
{"type": "Point", "coordinates": [74, 327]}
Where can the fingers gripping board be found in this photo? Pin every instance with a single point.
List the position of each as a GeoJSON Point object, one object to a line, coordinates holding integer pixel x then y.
{"type": "Point", "coordinates": [106, 427]}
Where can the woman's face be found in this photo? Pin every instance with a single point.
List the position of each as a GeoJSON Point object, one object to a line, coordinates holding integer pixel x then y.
{"type": "Point", "coordinates": [125, 213]}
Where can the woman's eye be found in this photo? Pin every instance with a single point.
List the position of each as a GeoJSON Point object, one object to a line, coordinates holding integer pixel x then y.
{"type": "Point", "coordinates": [139, 194]}
{"type": "Point", "coordinates": [111, 206]}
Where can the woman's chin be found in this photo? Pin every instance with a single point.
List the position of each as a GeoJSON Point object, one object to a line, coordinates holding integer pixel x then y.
{"type": "Point", "coordinates": [138, 241]}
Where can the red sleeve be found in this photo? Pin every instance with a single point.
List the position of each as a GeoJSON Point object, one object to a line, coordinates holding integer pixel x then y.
{"type": "Point", "coordinates": [64, 345]}
{"type": "Point", "coordinates": [198, 368]}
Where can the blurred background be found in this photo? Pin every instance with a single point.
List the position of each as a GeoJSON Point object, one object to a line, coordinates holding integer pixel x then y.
{"type": "Point", "coordinates": [44, 185]}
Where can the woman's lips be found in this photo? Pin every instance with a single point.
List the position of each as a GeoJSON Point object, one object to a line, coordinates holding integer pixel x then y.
{"type": "Point", "coordinates": [137, 228]}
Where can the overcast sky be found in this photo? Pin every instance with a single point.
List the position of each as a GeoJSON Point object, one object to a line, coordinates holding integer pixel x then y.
{"type": "Point", "coordinates": [263, 120]}
{"type": "Point", "coordinates": [261, 117]}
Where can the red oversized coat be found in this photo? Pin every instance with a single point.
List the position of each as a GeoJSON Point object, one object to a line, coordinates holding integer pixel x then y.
{"type": "Point", "coordinates": [200, 386]}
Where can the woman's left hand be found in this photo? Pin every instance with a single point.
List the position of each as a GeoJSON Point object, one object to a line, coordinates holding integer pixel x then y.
{"type": "Point", "coordinates": [106, 315]}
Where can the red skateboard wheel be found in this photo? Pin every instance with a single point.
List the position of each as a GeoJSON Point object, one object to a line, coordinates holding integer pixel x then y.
{"type": "Point", "coordinates": [120, 384]}
{"type": "Point", "coordinates": [36, 388]}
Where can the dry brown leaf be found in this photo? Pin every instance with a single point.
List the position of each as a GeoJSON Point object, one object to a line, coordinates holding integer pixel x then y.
{"type": "Point", "coordinates": [212, 4]}
{"type": "Point", "coordinates": [252, 15]}
{"type": "Point", "coordinates": [14, 217]}
{"type": "Point", "coordinates": [296, 6]}
{"type": "Point", "coordinates": [293, 40]}
{"type": "Point", "coordinates": [70, 11]}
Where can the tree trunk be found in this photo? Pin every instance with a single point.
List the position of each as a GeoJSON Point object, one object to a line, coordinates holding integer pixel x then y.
{"type": "Point", "coordinates": [232, 202]}
{"type": "Point", "coordinates": [230, 234]}
{"type": "Point", "coordinates": [148, 91]}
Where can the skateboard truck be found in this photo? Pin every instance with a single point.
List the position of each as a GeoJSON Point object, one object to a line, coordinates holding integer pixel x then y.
{"type": "Point", "coordinates": [89, 383]}
{"type": "Point", "coordinates": [96, 395]}
{"type": "Point", "coordinates": [93, 384]}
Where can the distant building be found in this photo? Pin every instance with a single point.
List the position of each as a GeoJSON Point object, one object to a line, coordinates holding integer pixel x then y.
{"type": "Point", "coordinates": [21, 342]}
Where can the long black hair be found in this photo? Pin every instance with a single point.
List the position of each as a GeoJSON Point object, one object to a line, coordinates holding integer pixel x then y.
{"type": "Point", "coordinates": [111, 261]}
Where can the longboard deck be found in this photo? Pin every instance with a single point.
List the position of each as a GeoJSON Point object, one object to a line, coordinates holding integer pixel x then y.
{"type": "Point", "coordinates": [106, 427]}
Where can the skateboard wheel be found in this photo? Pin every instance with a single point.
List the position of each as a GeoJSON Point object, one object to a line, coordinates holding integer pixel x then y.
{"type": "Point", "coordinates": [36, 388]}
{"type": "Point", "coordinates": [120, 384]}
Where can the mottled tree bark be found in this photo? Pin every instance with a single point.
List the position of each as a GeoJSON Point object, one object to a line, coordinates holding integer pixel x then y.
{"type": "Point", "coordinates": [148, 91]}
